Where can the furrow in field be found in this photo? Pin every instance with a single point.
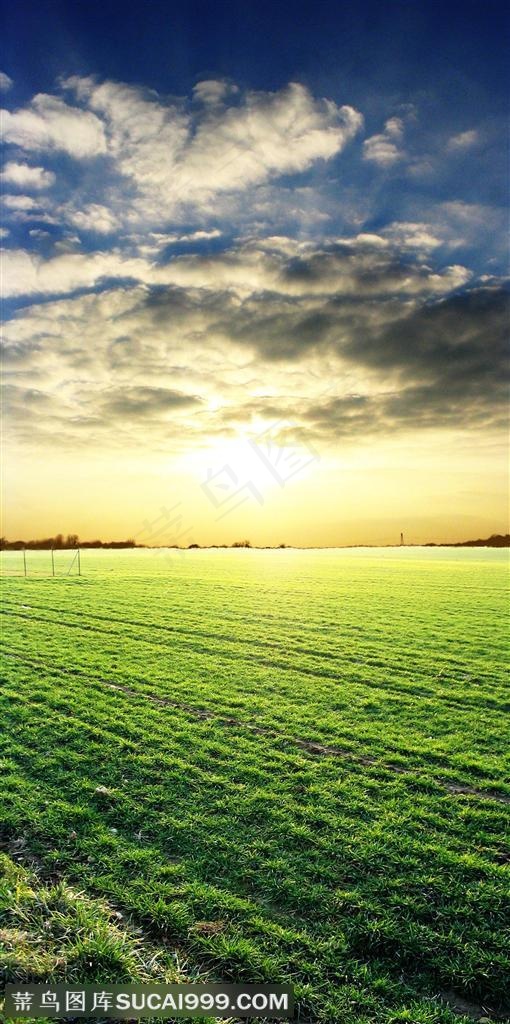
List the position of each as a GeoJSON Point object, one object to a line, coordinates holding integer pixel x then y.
{"type": "Point", "coordinates": [332, 630]}
{"type": "Point", "coordinates": [419, 850]}
{"type": "Point", "coordinates": [311, 747]}
{"type": "Point", "coordinates": [76, 709]}
{"type": "Point", "coordinates": [357, 731]}
{"type": "Point", "coordinates": [295, 630]}
{"type": "Point", "coordinates": [300, 753]}
{"type": "Point", "coordinates": [292, 664]}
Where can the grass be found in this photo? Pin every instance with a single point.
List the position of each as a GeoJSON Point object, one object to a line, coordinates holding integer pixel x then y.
{"type": "Point", "coordinates": [49, 930]}
{"type": "Point", "coordinates": [276, 766]}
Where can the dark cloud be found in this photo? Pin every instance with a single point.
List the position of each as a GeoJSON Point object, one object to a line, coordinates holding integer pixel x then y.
{"type": "Point", "coordinates": [430, 351]}
{"type": "Point", "coordinates": [19, 400]}
{"type": "Point", "coordinates": [368, 270]}
{"type": "Point", "coordinates": [464, 336]}
{"type": "Point", "coordinates": [459, 342]}
{"type": "Point", "coordinates": [448, 361]}
{"type": "Point", "coordinates": [145, 402]}
{"type": "Point", "coordinates": [413, 408]}
{"type": "Point", "coordinates": [447, 358]}
{"type": "Point", "coordinates": [88, 417]}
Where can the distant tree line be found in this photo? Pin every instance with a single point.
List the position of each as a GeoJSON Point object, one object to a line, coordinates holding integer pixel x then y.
{"type": "Point", "coordinates": [59, 542]}
{"type": "Point", "coordinates": [496, 540]}
{"type": "Point", "coordinates": [71, 541]}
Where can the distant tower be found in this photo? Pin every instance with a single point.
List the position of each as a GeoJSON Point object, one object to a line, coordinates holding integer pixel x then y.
{"type": "Point", "coordinates": [401, 540]}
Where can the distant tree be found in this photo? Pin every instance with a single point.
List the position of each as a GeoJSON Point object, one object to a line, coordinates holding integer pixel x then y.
{"type": "Point", "coordinates": [72, 540]}
{"type": "Point", "coordinates": [241, 544]}
{"type": "Point", "coordinates": [193, 546]}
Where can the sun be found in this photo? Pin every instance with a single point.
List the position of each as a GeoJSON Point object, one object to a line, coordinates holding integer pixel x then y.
{"type": "Point", "coordinates": [260, 458]}
{"type": "Point", "coordinates": [240, 461]}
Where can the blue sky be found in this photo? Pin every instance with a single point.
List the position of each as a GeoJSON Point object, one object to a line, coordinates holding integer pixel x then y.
{"type": "Point", "coordinates": [439, 69]}
{"type": "Point", "coordinates": [211, 211]}
{"type": "Point", "coordinates": [368, 51]}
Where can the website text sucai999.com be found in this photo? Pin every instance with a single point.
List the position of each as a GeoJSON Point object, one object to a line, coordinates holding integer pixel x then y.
{"type": "Point", "coordinates": [131, 1001]}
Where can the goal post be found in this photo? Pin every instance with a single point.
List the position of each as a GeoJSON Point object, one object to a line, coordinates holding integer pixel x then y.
{"type": "Point", "coordinates": [40, 562]}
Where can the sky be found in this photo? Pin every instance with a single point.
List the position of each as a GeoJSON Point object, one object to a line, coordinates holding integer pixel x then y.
{"type": "Point", "coordinates": [255, 271]}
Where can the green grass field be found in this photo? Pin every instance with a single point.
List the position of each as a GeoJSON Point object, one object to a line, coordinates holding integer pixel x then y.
{"type": "Point", "coordinates": [263, 767]}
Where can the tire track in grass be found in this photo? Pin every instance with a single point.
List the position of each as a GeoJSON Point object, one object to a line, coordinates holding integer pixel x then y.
{"type": "Point", "coordinates": [192, 709]}
{"type": "Point", "coordinates": [434, 761]}
{"type": "Point", "coordinates": [312, 747]}
{"type": "Point", "coordinates": [39, 902]}
{"type": "Point", "coordinates": [464, 702]}
{"type": "Point", "coordinates": [297, 638]}
{"type": "Point", "coordinates": [41, 705]}
{"type": "Point", "coordinates": [375, 636]}
{"type": "Point", "coordinates": [81, 697]}
{"type": "Point", "coordinates": [249, 641]}
{"type": "Point", "coordinates": [439, 762]}
{"type": "Point", "coordinates": [309, 746]}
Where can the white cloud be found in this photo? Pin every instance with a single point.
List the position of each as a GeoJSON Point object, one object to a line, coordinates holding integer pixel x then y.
{"type": "Point", "coordinates": [25, 273]}
{"type": "Point", "coordinates": [50, 124]}
{"type": "Point", "coordinates": [472, 224]}
{"type": "Point", "coordinates": [213, 91]}
{"type": "Point", "coordinates": [475, 215]}
{"type": "Point", "coordinates": [6, 83]}
{"type": "Point", "coordinates": [278, 133]}
{"type": "Point", "coordinates": [178, 156]}
{"type": "Point", "coordinates": [422, 168]}
{"type": "Point", "coordinates": [384, 149]}
{"type": "Point", "coordinates": [201, 236]}
{"type": "Point", "coordinates": [93, 217]}
{"type": "Point", "coordinates": [356, 268]}
{"type": "Point", "coordinates": [366, 238]}
{"type": "Point", "coordinates": [465, 140]}
{"type": "Point", "coordinates": [23, 203]}
{"type": "Point", "coordinates": [148, 352]}
{"type": "Point", "coordinates": [411, 235]}
{"type": "Point", "coordinates": [24, 176]}
{"type": "Point", "coordinates": [394, 128]}
{"type": "Point", "coordinates": [4, 232]}
{"type": "Point", "coordinates": [156, 241]}
{"type": "Point", "coordinates": [169, 159]}
{"type": "Point", "coordinates": [354, 304]}
{"type": "Point", "coordinates": [70, 243]}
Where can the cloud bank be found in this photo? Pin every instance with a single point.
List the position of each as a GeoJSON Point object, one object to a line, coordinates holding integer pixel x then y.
{"type": "Point", "coordinates": [164, 155]}
{"type": "Point", "coordinates": [188, 348]}
{"type": "Point", "coordinates": [145, 312]}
